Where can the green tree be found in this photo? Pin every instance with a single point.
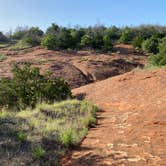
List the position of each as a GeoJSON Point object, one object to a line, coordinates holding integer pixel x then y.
{"type": "Point", "coordinates": [151, 45]}
{"type": "Point", "coordinates": [33, 36]}
{"type": "Point", "coordinates": [127, 36]}
{"type": "Point", "coordinates": [19, 33]}
{"type": "Point", "coordinates": [76, 37]}
{"type": "Point", "coordinates": [52, 30]}
{"type": "Point", "coordinates": [113, 32]}
{"type": "Point", "coordinates": [28, 87]}
{"type": "Point", "coordinates": [86, 41]}
{"type": "Point", "coordinates": [160, 58]}
{"type": "Point", "coordinates": [64, 39]}
{"type": "Point", "coordinates": [107, 43]}
{"type": "Point", "coordinates": [137, 42]}
{"type": "Point", "coordinates": [50, 42]}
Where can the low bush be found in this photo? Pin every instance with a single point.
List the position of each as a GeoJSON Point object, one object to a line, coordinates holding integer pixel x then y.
{"type": "Point", "coordinates": [151, 45]}
{"type": "Point", "coordinates": [2, 57]}
{"type": "Point", "coordinates": [108, 46]}
{"type": "Point", "coordinates": [20, 45]}
{"type": "Point", "coordinates": [126, 36]}
{"type": "Point", "coordinates": [49, 42]}
{"type": "Point", "coordinates": [160, 58]}
{"type": "Point", "coordinates": [33, 36]}
{"type": "Point", "coordinates": [28, 87]}
{"type": "Point", "coordinates": [137, 42]}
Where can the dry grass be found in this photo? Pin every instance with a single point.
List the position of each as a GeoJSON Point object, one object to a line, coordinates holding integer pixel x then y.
{"type": "Point", "coordinates": [39, 136]}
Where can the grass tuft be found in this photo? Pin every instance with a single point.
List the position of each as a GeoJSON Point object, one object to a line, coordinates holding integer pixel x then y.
{"type": "Point", "coordinates": [45, 132]}
{"type": "Point", "coordinates": [2, 57]}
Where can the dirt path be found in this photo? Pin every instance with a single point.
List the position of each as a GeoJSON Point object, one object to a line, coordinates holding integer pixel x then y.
{"type": "Point", "coordinates": [131, 131]}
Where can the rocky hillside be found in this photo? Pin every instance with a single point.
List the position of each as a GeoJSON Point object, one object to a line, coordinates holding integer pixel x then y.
{"type": "Point", "coordinates": [77, 68]}
{"type": "Point", "coordinates": [131, 127]}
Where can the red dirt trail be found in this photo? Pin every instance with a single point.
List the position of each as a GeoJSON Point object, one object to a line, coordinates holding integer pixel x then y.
{"type": "Point", "coordinates": [131, 129]}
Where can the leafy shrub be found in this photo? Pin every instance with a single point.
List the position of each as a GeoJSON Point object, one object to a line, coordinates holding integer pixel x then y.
{"type": "Point", "coordinates": [50, 42]}
{"type": "Point", "coordinates": [52, 30]}
{"type": "Point", "coordinates": [108, 46]}
{"type": "Point", "coordinates": [151, 45]}
{"type": "Point", "coordinates": [19, 33]}
{"type": "Point", "coordinates": [160, 58]}
{"type": "Point", "coordinates": [22, 136]}
{"type": "Point", "coordinates": [33, 41]}
{"type": "Point", "coordinates": [33, 36]}
{"type": "Point", "coordinates": [113, 32]}
{"type": "Point", "coordinates": [127, 36]}
{"type": "Point", "coordinates": [76, 37]}
{"type": "Point", "coordinates": [39, 152]}
{"type": "Point", "coordinates": [97, 42]}
{"type": "Point", "coordinates": [28, 87]}
{"type": "Point", "coordinates": [86, 41]}
{"type": "Point", "coordinates": [162, 46]}
{"type": "Point", "coordinates": [62, 40]}
{"type": "Point", "coordinates": [2, 57]}
{"type": "Point", "coordinates": [137, 42]}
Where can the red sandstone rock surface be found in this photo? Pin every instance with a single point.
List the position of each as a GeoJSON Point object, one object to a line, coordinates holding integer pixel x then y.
{"type": "Point", "coordinates": [131, 128]}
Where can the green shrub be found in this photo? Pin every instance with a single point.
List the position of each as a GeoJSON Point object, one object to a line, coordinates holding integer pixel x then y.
{"type": "Point", "coordinates": [126, 36]}
{"type": "Point", "coordinates": [19, 33]}
{"type": "Point", "coordinates": [2, 57]}
{"type": "Point", "coordinates": [39, 152]}
{"type": "Point", "coordinates": [28, 87]}
{"type": "Point", "coordinates": [33, 36]}
{"type": "Point", "coordinates": [86, 41]}
{"type": "Point", "coordinates": [113, 32]}
{"type": "Point", "coordinates": [162, 46]}
{"type": "Point", "coordinates": [137, 42]}
{"type": "Point", "coordinates": [108, 46]}
{"type": "Point", "coordinates": [20, 45]}
{"type": "Point", "coordinates": [64, 39]}
{"type": "Point", "coordinates": [33, 41]}
{"type": "Point", "coordinates": [52, 30]}
{"type": "Point", "coordinates": [50, 42]}
{"type": "Point", "coordinates": [151, 45]}
{"type": "Point", "coordinates": [160, 58]}
{"type": "Point", "coordinates": [22, 136]}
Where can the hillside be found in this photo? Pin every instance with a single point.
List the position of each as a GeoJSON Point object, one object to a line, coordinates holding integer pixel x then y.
{"type": "Point", "coordinates": [131, 125]}
{"type": "Point", "coordinates": [77, 68]}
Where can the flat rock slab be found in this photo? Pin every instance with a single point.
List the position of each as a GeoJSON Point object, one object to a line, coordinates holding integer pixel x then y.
{"type": "Point", "coordinates": [131, 129]}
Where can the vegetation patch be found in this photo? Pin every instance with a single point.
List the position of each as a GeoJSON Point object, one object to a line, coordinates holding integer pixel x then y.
{"type": "Point", "coordinates": [4, 45]}
{"type": "Point", "coordinates": [20, 45]}
{"type": "Point", "coordinates": [28, 87]}
{"type": "Point", "coordinates": [42, 135]}
{"type": "Point", "coordinates": [2, 57]}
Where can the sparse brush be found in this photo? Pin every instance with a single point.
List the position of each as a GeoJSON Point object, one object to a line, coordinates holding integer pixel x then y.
{"type": "Point", "coordinates": [39, 152]}
{"type": "Point", "coordinates": [3, 57]}
{"type": "Point", "coordinates": [46, 131]}
{"type": "Point", "coordinates": [22, 136]}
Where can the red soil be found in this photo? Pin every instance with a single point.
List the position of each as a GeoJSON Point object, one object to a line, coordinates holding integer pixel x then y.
{"type": "Point", "coordinates": [131, 129]}
{"type": "Point", "coordinates": [77, 68]}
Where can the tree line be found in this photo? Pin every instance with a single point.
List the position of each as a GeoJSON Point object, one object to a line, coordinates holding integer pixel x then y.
{"type": "Point", "coordinates": [147, 38]}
